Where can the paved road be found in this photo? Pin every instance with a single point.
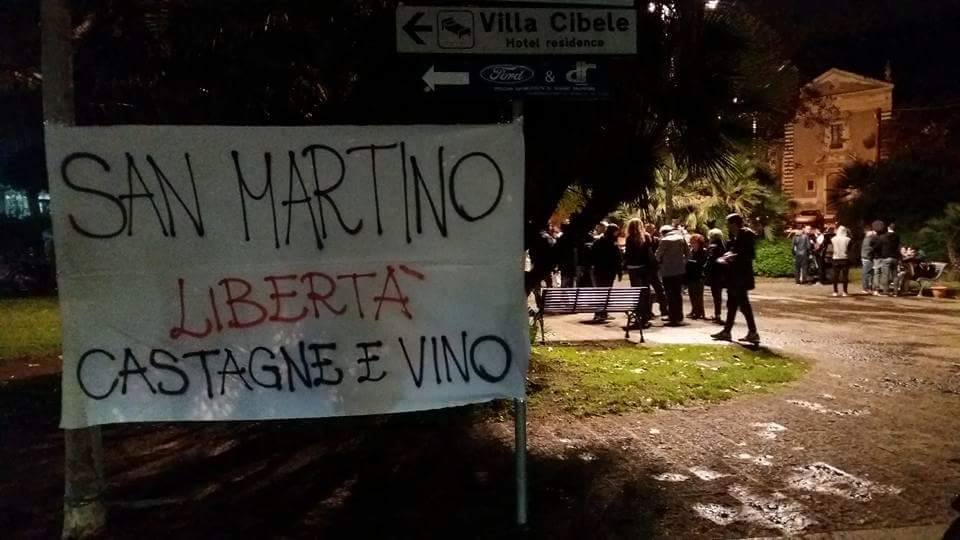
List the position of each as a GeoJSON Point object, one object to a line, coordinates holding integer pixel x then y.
{"type": "Point", "coordinates": [869, 439]}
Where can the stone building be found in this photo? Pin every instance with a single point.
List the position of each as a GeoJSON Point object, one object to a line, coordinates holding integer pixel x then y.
{"type": "Point", "coordinates": [844, 118]}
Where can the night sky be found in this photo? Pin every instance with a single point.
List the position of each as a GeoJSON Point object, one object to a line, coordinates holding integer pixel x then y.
{"type": "Point", "coordinates": [920, 39]}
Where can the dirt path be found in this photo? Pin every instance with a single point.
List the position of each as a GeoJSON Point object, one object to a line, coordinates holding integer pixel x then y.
{"type": "Point", "coordinates": [869, 439]}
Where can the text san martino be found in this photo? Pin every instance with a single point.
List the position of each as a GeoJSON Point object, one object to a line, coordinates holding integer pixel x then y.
{"type": "Point", "coordinates": [301, 181]}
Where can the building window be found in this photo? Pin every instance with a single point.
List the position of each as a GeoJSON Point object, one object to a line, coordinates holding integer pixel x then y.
{"type": "Point", "coordinates": [811, 185]}
{"type": "Point", "coordinates": [16, 204]}
{"type": "Point", "coordinates": [836, 136]}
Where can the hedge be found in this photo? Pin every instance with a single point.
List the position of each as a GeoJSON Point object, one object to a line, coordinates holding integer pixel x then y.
{"type": "Point", "coordinates": [774, 258]}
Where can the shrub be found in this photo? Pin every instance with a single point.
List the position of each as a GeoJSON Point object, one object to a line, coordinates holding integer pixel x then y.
{"type": "Point", "coordinates": [774, 258]}
{"type": "Point", "coordinates": [933, 242]}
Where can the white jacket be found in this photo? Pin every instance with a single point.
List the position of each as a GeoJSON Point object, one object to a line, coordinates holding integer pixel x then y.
{"type": "Point", "coordinates": [672, 254]}
{"type": "Point", "coordinates": [841, 245]}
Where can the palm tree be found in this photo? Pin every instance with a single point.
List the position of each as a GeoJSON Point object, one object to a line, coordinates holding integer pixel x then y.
{"type": "Point", "coordinates": [737, 187]}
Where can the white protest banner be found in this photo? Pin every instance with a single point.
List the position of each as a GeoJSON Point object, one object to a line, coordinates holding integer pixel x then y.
{"type": "Point", "coordinates": [228, 273]}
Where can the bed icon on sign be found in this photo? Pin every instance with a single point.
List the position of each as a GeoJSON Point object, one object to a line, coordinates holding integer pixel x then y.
{"type": "Point", "coordinates": [455, 29]}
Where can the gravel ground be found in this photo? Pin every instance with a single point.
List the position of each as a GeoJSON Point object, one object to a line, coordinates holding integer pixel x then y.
{"type": "Point", "coordinates": [867, 440]}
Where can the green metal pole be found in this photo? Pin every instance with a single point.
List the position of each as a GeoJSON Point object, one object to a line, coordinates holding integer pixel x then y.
{"type": "Point", "coordinates": [520, 436]}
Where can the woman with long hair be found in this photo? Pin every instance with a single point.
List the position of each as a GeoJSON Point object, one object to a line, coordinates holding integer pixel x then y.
{"type": "Point", "coordinates": [637, 259]}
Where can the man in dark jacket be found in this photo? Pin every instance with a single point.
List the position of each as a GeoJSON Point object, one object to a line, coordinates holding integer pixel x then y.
{"type": "Point", "coordinates": [739, 261]}
{"type": "Point", "coordinates": [607, 262]}
{"type": "Point", "coordinates": [886, 252]}
{"type": "Point", "coordinates": [801, 255]}
{"type": "Point", "coordinates": [653, 271]}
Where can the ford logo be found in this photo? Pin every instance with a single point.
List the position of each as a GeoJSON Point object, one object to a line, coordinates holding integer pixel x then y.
{"type": "Point", "coordinates": [506, 74]}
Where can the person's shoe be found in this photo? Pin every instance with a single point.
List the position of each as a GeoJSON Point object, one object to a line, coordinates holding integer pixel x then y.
{"type": "Point", "coordinates": [835, 295]}
{"type": "Point", "coordinates": [723, 335]}
{"type": "Point", "coordinates": [876, 293]}
{"type": "Point", "coordinates": [752, 337]}
{"type": "Point", "coordinates": [844, 294]}
{"type": "Point", "coordinates": [674, 324]}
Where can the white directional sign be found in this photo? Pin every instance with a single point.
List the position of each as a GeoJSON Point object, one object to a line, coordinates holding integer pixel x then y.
{"type": "Point", "coordinates": [541, 31]}
{"type": "Point", "coordinates": [448, 78]}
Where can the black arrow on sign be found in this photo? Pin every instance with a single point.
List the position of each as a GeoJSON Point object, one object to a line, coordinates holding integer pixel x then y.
{"type": "Point", "coordinates": [413, 29]}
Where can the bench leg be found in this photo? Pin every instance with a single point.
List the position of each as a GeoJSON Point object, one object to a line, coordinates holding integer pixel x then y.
{"type": "Point", "coordinates": [543, 331]}
{"type": "Point", "coordinates": [627, 328]}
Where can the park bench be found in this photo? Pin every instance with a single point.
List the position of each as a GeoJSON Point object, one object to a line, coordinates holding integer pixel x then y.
{"type": "Point", "coordinates": [939, 267]}
{"type": "Point", "coordinates": [565, 301]}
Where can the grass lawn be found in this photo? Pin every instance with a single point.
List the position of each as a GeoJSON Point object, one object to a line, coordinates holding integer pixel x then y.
{"type": "Point", "coordinates": [597, 379]}
{"type": "Point", "coordinates": [29, 327]}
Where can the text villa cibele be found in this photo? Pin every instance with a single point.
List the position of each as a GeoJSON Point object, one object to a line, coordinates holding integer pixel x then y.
{"type": "Point", "coordinates": [561, 22]}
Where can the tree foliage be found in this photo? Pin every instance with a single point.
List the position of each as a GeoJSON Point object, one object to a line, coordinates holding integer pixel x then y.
{"type": "Point", "coordinates": [908, 189]}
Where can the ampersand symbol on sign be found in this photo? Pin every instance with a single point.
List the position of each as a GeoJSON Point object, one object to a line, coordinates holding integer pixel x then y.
{"type": "Point", "coordinates": [550, 77]}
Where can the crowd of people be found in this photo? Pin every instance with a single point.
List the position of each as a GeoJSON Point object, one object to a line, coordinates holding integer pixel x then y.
{"type": "Point", "coordinates": [887, 266]}
{"type": "Point", "coordinates": [666, 261]}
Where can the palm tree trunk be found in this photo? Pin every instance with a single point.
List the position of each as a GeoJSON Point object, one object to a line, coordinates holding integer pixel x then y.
{"type": "Point", "coordinates": [668, 200]}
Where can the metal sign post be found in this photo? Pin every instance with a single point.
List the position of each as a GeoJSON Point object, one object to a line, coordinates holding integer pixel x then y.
{"type": "Point", "coordinates": [520, 452]}
{"type": "Point", "coordinates": [520, 412]}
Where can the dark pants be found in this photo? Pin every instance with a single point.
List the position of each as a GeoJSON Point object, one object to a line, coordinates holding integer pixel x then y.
{"type": "Point", "coordinates": [638, 278]}
{"type": "Point", "coordinates": [739, 300]}
{"type": "Point", "coordinates": [716, 290]}
{"type": "Point", "coordinates": [653, 278]}
{"type": "Point", "coordinates": [800, 268]}
{"type": "Point", "coordinates": [841, 274]}
{"type": "Point", "coordinates": [695, 290]}
{"type": "Point", "coordinates": [821, 269]}
{"type": "Point", "coordinates": [674, 292]}
{"type": "Point", "coordinates": [603, 281]}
